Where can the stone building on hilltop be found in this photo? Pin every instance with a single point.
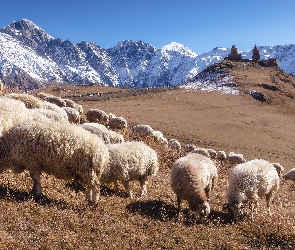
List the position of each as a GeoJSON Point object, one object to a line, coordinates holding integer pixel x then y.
{"type": "Point", "coordinates": [234, 54]}
{"type": "Point", "coordinates": [255, 54]}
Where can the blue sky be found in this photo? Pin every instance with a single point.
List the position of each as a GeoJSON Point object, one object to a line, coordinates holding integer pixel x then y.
{"type": "Point", "coordinates": [200, 25]}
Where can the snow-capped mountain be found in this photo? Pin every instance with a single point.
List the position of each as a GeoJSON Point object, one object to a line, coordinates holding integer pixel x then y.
{"type": "Point", "coordinates": [31, 58]}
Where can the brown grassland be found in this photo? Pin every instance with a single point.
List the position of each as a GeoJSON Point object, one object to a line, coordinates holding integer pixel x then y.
{"type": "Point", "coordinates": [239, 123]}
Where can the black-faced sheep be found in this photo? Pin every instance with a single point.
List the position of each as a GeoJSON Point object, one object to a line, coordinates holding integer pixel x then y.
{"type": "Point", "coordinates": [192, 179]}
{"type": "Point", "coordinates": [61, 149]}
{"type": "Point", "coordinates": [130, 161]}
{"type": "Point", "coordinates": [97, 115]}
{"type": "Point", "coordinates": [290, 176]}
{"type": "Point", "coordinates": [250, 181]}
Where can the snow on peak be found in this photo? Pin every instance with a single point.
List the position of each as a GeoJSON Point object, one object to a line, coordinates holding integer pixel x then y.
{"type": "Point", "coordinates": [177, 47]}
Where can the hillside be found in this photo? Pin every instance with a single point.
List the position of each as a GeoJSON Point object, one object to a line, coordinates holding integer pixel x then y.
{"type": "Point", "coordinates": [239, 123]}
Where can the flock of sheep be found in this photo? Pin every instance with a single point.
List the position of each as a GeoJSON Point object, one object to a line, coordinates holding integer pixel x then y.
{"type": "Point", "coordinates": [45, 133]}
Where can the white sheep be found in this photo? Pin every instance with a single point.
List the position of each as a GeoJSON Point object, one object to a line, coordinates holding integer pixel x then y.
{"type": "Point", "coordinates": [234, 159]}
{"type": "Point", "coordinates": [189, 148]}
{"type": "Point", "coordinates": [130, 161]}
{"type": "Point", "coordinates": [117, 123]}
{"type": "Point", "coordinates": [201, 151]}
{"type": "Point", "coordinates": [290, 176]}
{"type": "Point", "coordinates": [45, 114]}
{"type": "Point", "coordinates": [220, 155]}
{"type": "Point", "coordinates": [73, 114]}
{"type": "Point", "coordinates": [174, 144]}
{"type": "Point", "coordinates": [97, 115]}
{"type": "Point", "coordinates": [30, 101]}
{"type": "Point", "coordinates": [192, 179]}
{"type": "Point", "coordinates": [72, 104]}
{"type": "Point", "coordinates": [100, 130]}
{"type": "Point", "coordinates": [250, 181]}
{"type": "Point", "coordinates": [142, 130]}
{"type": "Point", "coordinates": [159, 137]}
{"type": "Point", "coordinates": [60, 149]}
{"type": "Point", "coordinates": [11, 112]}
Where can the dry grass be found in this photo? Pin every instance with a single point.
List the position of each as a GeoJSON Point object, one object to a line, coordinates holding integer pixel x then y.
{"type": "Point", "coordinates": [62, 219]}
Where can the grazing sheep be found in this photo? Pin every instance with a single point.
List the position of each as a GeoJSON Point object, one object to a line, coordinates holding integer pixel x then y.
{"type": "Point", "coordinates": [290, 176]}
{"type": "Point", "coordinates": [192, 179]}
{"type": "Point", "coordinates": [107, 135]}
{"type": "Point", "coordinates": [234, 159]}
{"type": "Point", "coordinates": [73, 114]}
{"type": "Point", "coordinates": [11, 112]}
{"type": "Point", "coordinates": [130, 161]}
{"type": "Point", "coordinates": [159, 137]}
{"type": "Point", "coordinates": [56, 100]}
{"type": "Point", "coordinates": [43, 114]}
{"type": "Point", "coordinates": [189, 148]}
{"type": "Point", "coordinates": [30, 101]}
{"type": "Point", "coordinates": [70, 103]}
{"type": "Point", "coordinates": [220, 155]}
{"type": "Point", "coordinates": [97, 115]}
{"type": "Point", "coordinates": [201, 151]}
{"type": "Point", "coordinates": [118, 123]}
{"type": "Point", "coordinates": [174, 144]}
{"type": "Point", "coordinates": [212, 153]}
{"type": "Point", "coordinates": [143, 130]}
{"type": "Point", "coordinates": [53, 107]}
{"type": "Point", "coordinates": [61, 149]}
{"type": "Point", "coordinates": [250, 181]}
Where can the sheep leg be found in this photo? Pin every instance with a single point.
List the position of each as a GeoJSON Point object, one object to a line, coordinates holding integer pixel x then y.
{"type": "Point", "coordinates": [95, 189]}
{"type": "Point", "coordinates": [116, 187]}
{"type": "Point", "coordinates": [268, 199]}
{"type": "Point", "coordinates": [127, 186]}
{"type": "Point", "coordinates": [36, 190]}
{"type": "Point", "coordinates": [143, 183]}
{"type": "Point", "coordinates": [178, 203]}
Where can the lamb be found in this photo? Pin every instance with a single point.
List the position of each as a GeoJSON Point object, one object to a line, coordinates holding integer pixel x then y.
{"type": "Point", "coordinates": [60, 149]}
{"type": "Point", "coordinates": [192, 178]}
{"type": "Point", "coordinates": [117, 123]}
{"type": "Point", "coordinates": [73, 114]}
{"type": "Point", "coordinates": [142, 130]}
{"type": "Point", "coordinates": [234, 159]}
{"type": "Point", "coordinates": [248, 182]}
{"type": "Point", "coordinates": [290, 176]}
{"type": "Point", "coordinates": [130, 161]}
{"type": "Point", "coordinates": [107, 135]}
{"type": "Point", "coordinates": [97, 115]}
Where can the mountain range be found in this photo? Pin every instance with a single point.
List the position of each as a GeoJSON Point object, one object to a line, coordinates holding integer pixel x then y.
{"type": "Point", "coordinates": [30, 58]}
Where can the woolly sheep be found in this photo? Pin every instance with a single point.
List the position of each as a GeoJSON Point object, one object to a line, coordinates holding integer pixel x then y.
{"type": "Point", "coordinates": [53, 107]}
{"type": "Point", "coordinates": [234, 159]}
{"type": "Point", "coordinates": [97, 115]}
{"type": "Point", "coordinates": [143, 130]}
{"type": "Point", "coordinates": [61, 149]}
{"type": "Point", "coordinates": [174, 144]}
{"type": "Point", "coordinates": [290, 176]}
{"type": "Point", "coordinates": [70, 103]}
{"type": "Point", "coordinates": [46, 114]}
{"type": "Point", "coordinates": [220, 155]}
{"type": "Point", "coordinates": [12, 111]}
{"type": "Point", "coordinates": [192, 179]}
{"type": "Point", "coordinates": [130, 161]}
{"type": "Point", "coordinates": [201, 151]}
{"type": "Point", "coordinates": [117, 123]}
{"type": "Point", "coordinates": [159, 137]}
{"type": "Point", "coordinates": [30, 101]}
{"type": "Point", "coordinates": [212, 153]}
{"type": "Point", "coordinates": [107, 135]}
{"type": "Point", "coordinates": [250, 181]}
{"type": "Point", "coordinates": [189, 148]}
{"type": "Point", "coordinates": [73, 114]}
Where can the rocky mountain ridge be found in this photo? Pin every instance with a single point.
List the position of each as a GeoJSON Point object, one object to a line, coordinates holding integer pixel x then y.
{"type": "Point", "coordinates": [30, 58]}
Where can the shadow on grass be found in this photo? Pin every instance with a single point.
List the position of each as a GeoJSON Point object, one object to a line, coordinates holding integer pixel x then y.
{"type": "Point", "coordinates": [18, 196]}
{"type": "Point", "coordinates": [159, 210]}
{"type": "Point", "coordinates": [154, 209]}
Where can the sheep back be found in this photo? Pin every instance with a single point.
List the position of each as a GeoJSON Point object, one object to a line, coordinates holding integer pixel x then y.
{"type": "Point", "coordinates": [192, 178]}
